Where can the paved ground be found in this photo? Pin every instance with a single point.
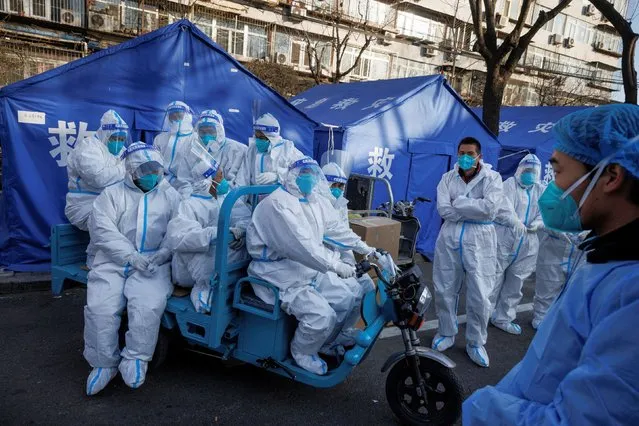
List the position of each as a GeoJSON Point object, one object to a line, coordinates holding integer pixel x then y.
{"type": "Point", "coordinates": [43, 377]}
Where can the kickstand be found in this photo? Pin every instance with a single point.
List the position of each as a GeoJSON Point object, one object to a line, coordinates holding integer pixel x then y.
{"type": "Point", "coordinates": [271, 363]}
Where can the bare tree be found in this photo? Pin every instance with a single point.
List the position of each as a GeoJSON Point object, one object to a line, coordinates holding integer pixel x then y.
{"type": "Point", "coordinates": [501, 59]}
{"type": "Point", "coordinates": [281, 78]}
{"type": "Point", "coordinates": [560, 90]}
{"type": "Point", "coordinates": [629, 40]}
{"type": "Point", "coordinates": [342, 31]}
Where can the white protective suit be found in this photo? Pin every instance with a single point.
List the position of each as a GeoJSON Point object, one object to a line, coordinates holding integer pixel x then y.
{"type": "Point", "coordinates": [174, 145]}
{"type": "Point", "coordinates": [228, 153]}
{"type": "Point", "coordinates": [517, 246]}
{"type": "Point", "coordinates": [335, 174]}
{"type": "Point", "coordinates": [91, 168]}
{"type": "Point", "coordinates": [192, 234]}
{"type": "Point", "coordinates": [273, 164]}
{"type": "Point", "coordinates": [465, 252]}
{"type": "Point", "coordinates": [559, 255]}
{"type": "Point", "coordinates": [131, 271]}
{"type": "Point", "coordinates": [285, 240]}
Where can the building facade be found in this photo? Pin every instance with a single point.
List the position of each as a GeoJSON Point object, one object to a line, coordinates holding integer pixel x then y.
{"type": "Point", "coordinates": [574, 59]}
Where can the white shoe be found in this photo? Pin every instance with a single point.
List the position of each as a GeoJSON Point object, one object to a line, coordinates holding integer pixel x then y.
{"type": "Point", "coordinates": [133, 372]}
{"type": "Point", "coordinates": [99, 378]}
{"type": "Point", "coordinates": [441, 343]}
{"type": "Point", "coordinates": [508, 327]}
{"type": "Point", "coordinates": [312, 363]}
{"type": "Point", "coordinates": [535, 323]}
{"type": "Point", "coordinates": [200, 300]}
{"type": "Point", "coordinates": [478, 355]}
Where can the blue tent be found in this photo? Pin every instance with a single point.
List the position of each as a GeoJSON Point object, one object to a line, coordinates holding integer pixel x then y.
{"type": "Point", "coordinates": [406, 130]}
{"type": "Point", "coordinates": [42, 117]}
{"type": "Point", "coordinates": [525, 129]}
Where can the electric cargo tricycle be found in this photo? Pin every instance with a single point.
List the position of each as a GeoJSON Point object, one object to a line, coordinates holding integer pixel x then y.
{"type": "Point", "coordinates": [421, 386]}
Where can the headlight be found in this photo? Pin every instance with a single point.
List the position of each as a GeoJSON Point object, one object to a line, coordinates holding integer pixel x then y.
{"type": "Point", "coordinates": [424, 301]}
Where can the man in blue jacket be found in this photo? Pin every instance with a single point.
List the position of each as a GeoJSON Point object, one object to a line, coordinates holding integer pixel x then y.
{"type": "Point", "coordinates": [581, 367]}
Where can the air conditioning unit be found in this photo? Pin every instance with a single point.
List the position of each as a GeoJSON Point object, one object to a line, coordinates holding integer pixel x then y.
{"type": "Point", "coordinates": [281, 58]}
{"type": "Point", "coordinates": [102, 22]}
{"type": "Point", "coordinates": [599, 45]}
{"type": "Point", "coordinates": [427, 52]}
{"type": "Point", "coordinates": [70, 17]}
{"type": "Point", "coordinates": [569, 42]}
{"type": "Point", "coordinates": [500, 21]}
{"type": "Point", "coordinates": [297, 11]}
{"type": "Point", "coordinates": [589, 10]}
{"type": "Point", "coordinates": [556, 39]}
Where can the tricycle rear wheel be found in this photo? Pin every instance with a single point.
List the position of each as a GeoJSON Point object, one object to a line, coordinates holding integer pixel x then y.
{"type": "Point", "coordinates": [444, 393]}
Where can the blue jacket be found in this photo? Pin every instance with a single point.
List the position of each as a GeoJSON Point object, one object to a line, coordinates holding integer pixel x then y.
{"type": "Point", "coordinates": [582, 367]}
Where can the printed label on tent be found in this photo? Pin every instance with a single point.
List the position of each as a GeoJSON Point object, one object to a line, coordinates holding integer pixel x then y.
{"type": "Point", "coordinates": [31, 117]}
{"type": "Point", "coordinates": [234, 110]}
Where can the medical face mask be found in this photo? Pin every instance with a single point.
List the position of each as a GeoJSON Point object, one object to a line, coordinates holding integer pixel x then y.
{"type": "Point", "coordinates": [148, 182]}
{"type": "Point", "coordinates": [115, 147]}
{"type": "Point", "coordinates": [306, 183]}
{"type": "Point", "coordinates": [528, 178]}
{"type": "Point", "coordinates": [337, 192]}
{"type": "Point", "coordinates": [559, 212]}
{"type": "Point", "coordinates": [466, 162]}
{"type": "Point", "coordinates": [222, 187]}
{"type": "Point", "coordinates": [207, 139]}
{"type": "Point", "coordinates": [262, 144]}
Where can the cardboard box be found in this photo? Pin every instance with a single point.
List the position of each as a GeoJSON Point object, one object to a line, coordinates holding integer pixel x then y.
{"type": "Point", "coordinates": [379, 232]}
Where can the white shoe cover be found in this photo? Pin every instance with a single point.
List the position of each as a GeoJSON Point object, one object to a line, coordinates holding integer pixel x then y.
{"type": "Point", "coordinates": [441, 343]}
{"type": "Point", "coordinates": [535, 323]}
{"type": "Point", "coordinates": [133, 372]}
{"type": "Point", "coordinates": [312, 363]}
{"type": "Point", "coordinates": [99, 378]}
{"type": "Point", "coordinates": [478, 355]}
{"type": "Point", "coordinates": [508, 327]}
{"type": "Point", "coordinates": [199, 298]}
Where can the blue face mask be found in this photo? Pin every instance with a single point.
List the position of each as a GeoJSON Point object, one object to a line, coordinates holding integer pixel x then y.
{"type": "Point", "coordinates": [148, 182]}
{"type": "Point", "coordinates": [262, 144]}
{"type": "Point", "coordinates": [557, 213]}
{"type": "Point", "coordinates": [528, 178]}
{"type": "Point", "coordinates": [337, 192]}
{"type": "Point", "coordinates": [222, 187]}
{"type": "Point", "coordinates": [466, 162]}
{"type": "Point", "coordinates": [207, 139]}
{"type": "Point", "coordinates": [306, 183]}
{"type": "Point", "coordinates": [115, 147]}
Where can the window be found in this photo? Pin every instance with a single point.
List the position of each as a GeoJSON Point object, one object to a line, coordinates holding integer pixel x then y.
{"type": "Point", "coordinates": [571, 27]}
{"type": "Point", "coordinates": [408, 68]}
{"type": "Point", "coordinates": [372, 65]}
{"type": "Point", "coordinates": [256, 41]}
{"type": "Point", "coordinates": [420, 27]}
{"type": "Point", "coordinates": [514, 9]}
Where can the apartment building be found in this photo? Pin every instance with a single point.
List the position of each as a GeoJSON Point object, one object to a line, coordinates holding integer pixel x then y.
{"type": "Point", "coordinates": [574, 58]}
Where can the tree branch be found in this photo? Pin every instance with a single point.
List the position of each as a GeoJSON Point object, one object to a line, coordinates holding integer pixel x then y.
{"type": "Point", "coordinates": [475, 11]}
{"type": "Point", "coordinates": [491, 33]}
{"type": "Point", "coordinates": [524, 41]}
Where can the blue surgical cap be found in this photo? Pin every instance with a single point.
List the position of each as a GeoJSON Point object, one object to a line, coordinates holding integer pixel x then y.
{"type": "Point", "coordinates": [592, 134]}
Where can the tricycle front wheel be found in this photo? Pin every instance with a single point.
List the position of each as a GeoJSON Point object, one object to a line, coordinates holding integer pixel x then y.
{"type": "Point", "coordinates": [444, 395]}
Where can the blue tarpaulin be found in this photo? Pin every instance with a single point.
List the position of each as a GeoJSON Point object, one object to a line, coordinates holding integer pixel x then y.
{"type": "Point", "coordinates": [42, 117]}
{"type": "Point", "coordinates": [526, 129]}
{"type": "Point", "coordinates": [405, 130]}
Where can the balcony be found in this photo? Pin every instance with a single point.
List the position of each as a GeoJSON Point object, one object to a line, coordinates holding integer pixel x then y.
{"type": "Point", "coordinates": [600, 47]}
{"type": "Point", "coordinates": [68, 12]}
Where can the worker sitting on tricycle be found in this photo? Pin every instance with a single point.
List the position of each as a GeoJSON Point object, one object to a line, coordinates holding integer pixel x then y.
{"type": "Point", "coordinates": [285, 240]}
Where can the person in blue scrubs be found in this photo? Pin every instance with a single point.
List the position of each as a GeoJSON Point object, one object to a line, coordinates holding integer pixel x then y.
{"type": "Point", "coordinates": [581, 367]}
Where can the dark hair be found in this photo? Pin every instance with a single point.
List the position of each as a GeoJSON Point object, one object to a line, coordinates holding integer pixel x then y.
{"type": "Point", "coordinates": [633, 189]}
{"type": "Point", "coordinates": [469, 140]}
